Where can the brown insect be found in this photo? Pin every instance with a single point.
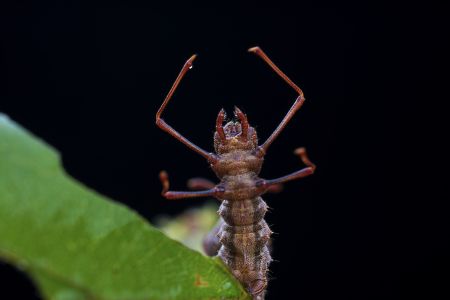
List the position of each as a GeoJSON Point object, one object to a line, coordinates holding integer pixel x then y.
{"type": "Point", "coordinates": [241, 239]}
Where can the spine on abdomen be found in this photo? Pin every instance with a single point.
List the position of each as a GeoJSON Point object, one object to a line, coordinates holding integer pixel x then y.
{"type": "Point", "coordinates": [244, 236]}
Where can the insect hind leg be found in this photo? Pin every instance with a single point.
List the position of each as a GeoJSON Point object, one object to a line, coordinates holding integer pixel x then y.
{"type": "Point", "coordinates": [211, 244]}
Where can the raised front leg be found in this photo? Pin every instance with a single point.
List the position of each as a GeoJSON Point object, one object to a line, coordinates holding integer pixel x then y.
{"type": "Point", "coordinates": [296, 106]}
{"type": "Point", "coordinates": [167, 128]}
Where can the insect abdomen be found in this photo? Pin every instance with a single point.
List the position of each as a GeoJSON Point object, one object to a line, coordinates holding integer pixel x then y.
{"type": "Point", "coordinates": [244, 236]}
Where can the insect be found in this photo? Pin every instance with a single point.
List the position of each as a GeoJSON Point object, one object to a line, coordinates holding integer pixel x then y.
{"type": "Point", "coordinates": [241, 239]}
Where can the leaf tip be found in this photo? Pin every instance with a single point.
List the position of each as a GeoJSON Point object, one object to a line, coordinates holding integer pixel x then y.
{"type": "Point", "coordinates": [5, 120]}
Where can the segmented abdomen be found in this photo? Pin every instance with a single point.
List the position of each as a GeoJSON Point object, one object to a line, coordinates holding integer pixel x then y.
{"type": "Point", "coordinates": [244, 236]}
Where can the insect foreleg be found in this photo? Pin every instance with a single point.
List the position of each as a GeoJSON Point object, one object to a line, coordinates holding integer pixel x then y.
{"type": "Point", "coordinates": [296, 106]}
{"type": "Point", "coordinates": [167, 128]}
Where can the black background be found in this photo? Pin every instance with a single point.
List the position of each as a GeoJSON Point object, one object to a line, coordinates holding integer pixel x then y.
{"type": "Point", "coordinates": [370, 224]}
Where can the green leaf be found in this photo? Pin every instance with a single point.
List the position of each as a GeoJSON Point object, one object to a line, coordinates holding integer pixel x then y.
{"type": "Point", "coordinates": [191, 226]}
{"type": "Point", "coordinates": [77, 244]}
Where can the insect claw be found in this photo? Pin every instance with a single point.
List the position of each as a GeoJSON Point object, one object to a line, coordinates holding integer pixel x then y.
{"type": "Point", "coordinates": [219, 121]}
{"type": "Point", "coordinates": [244, 122]}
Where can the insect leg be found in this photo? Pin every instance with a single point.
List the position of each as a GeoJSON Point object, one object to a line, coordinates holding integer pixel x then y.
{"type": "Point", "coordinates": [167, 128]}
{"type": "Point", "coordinates": [198, 183]}
{"type": "Point", "coordinates": [211, 243]}
{"type": "Point", "coordinates": [171, 195]}
{"type": "Point", "coordinates": [275, 188]}
{"type": "Point", "coordinates": [296, 106]}
{"type": "Point", "coordinates": [296, 175]}
{"type": "Point", "coordinates": [301, 152]}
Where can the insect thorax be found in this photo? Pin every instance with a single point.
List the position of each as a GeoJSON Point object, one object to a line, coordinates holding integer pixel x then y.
{"type": "Point", "coordinates": [237, 162]}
